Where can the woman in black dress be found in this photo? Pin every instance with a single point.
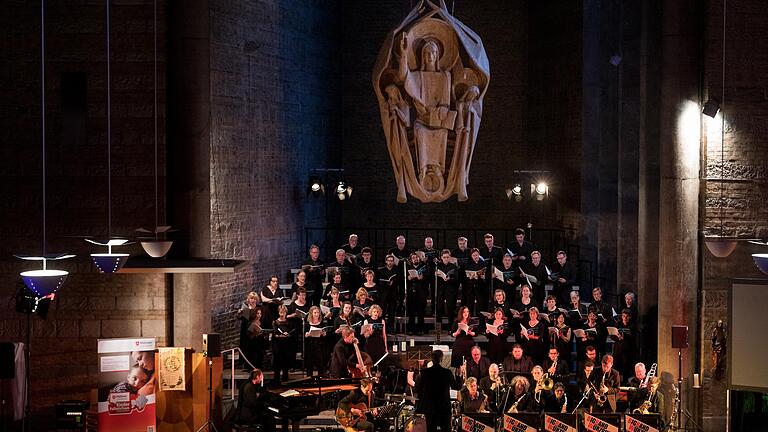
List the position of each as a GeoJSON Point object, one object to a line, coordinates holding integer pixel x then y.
{"type": "Point", "coordinates": [370, 285]}
{"type": "Point", "coordinates": [535, 337]}
{"type": "Point", "coordinates": [594, 335]}
{"type": "Point", "coordinates": [624, 344]}
{"type": "Point", "coordinates": [498, 347]}
{"type": "Point", "coordinates": [270, 296]}
{"type": "Point", "coordinates": [417, 294]}
{"type": "Point", "coordinates": [563, 338]}
{"type": "Point", "coordinates": [375, 333]}
{"type": "Point", "coordinates": [464, 337]}
{"type": "Point", "coordinates": [315, 342]}
{"type": "Point", "coordinates": [302, 283]}
{"type": "Point", "coordinates": [283, 345]}
{"type": "Point", "coordinates": [245, 315]}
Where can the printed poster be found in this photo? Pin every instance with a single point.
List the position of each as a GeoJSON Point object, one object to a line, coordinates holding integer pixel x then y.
{"type": "Point", "coordinates": [127, 385]}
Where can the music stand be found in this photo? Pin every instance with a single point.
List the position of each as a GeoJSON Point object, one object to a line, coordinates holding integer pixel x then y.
{"type": "Point", "coordinates": [209, 422]}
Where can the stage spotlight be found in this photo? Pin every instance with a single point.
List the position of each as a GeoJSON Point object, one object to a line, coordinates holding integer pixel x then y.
{"type": "Point", "coordinates": [711, 108]}
{"type": "Point", "coordinates": [517, 189]}
{"type": "Point", "coordinates": [541, 189]}
{"type": "Point", "coordinates": [343, 191]}
{"type": "Point", "coordinates": [315, 186]}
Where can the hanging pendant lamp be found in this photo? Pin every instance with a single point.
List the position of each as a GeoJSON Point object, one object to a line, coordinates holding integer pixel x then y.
{"type": "Point", "coordinates": [46, 281]}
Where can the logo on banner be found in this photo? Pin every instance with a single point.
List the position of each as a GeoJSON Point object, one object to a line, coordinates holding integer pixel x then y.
{"type": "Point", "coordinates": [469, 424]}
{"type": "Point", "coordinates": [594, 424]}
{"type": "Point", "coordinates": [633, 424]}
{"type": "Point", "coordinates": [514, 425]}
{"type": "Point", "coordinates": [552, 424]}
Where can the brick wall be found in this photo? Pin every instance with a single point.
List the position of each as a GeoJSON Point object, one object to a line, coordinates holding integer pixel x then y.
{"type": "Point", "coordinates": [275, 97]}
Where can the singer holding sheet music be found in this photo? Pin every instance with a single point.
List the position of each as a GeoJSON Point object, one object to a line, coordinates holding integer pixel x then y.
{"type": "Point", "coordinates": [315, 269]}
{"type": "Point", "coordinates": [624, 344]}
{"type": "Point", "coordinates": [270, 296]}
{"type": "Point", "coordinates": [315, 342]}
{"type": "Point", "coordinates": [473, 287]}
{"type": "Point", "coordinates": [534, 336]}
{"type": "Point", "coordinates": [509, 275]}
{"type": "Point", "coordinates": [375, 333]}
{"type": "Point", "coordinates": [371, 288]}
{"type": "Point", "coordinates": [417, 294]}
{"type": "Point", "coordinates": [563, 277]}
{"type": "Point", "coordinates": [283, 345]}
{"type": "Point", "coordinates": [537, 275]}
{"type": "Point", "coordinates": [497, 333]}
{"type": "Point", "coordinates": [464, 336]}
{"type": "Point", "coordinates": [389, 289]}
{"type": "Point", "coordinates": [492, 256]}
{"type": "Point", "coordinates": [447, 275]}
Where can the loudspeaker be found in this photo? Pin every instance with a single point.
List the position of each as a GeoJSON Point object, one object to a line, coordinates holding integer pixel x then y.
{"type": "Point", "coordinates": [679, 336]}
{"type": "Point", "coordinates": [212, 345]}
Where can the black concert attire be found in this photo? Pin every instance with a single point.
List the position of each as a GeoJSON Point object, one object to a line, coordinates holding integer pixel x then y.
{"type": "Point", "coordinates": [344, 295]}
{"type": "Point", "coordinates": [257, 344]}
{"type": "Point", "coordinates": [657, 406]}
{"type": "Point", "coordinates": [523, 308]}
{"type": "Point", "coordinates": [363, 266]}
{"type": "Point", "coordinates": [474, 290]}
{"type": "Point", "coordinates": [269, 304]}
{"type": "Point", "coordinates": [604, 311]}
{"type": "Point", "coordinates": [373, 291]}
{"type": "Point", "coordinates": [495, 395]}
{"type": "Point", "coordinates": [563, 290]}
{"type": "Point", "coordinates": [536, 348]}
{"type": "Point", "coordinates": [400, 254]}
{"type": "Point", "coordinates": [315, 352]}
{"type": "Point", "coordinates": [478, 370]}
{"type": "Point", "coordinates": [283, 348]}
{"type": "Point", "coordinates": [469, 404]}
{"type": "Point", "coordinates": [309, 288]}
{"type": "Point", "coordinates": [356, 397]}
{"type": "Point", "coordinates": [554, 404]}
{"type": "Point", "coordinates": [389, 287]}
{"type": "Point", "coordinates": [433, 388]}
{"type": "Point", "coordinates": [348, 271]}
{"type": "Point", "coordinates": [462, 346]}
{"type": "Point", "coordinates": [524, 401]}
{"type": "Point", "coordinates": [339, 359]}
{"type": "Point", "coordinates": [612, 380]}
{"type": "Point", "coordinates": [342, 321]}
{"type": "Point", "coordinates": [354, 251]}
{"type": "Point", "coordinates": [583, 383]}
{"type": "Point", "coordinates": [561, 369]}
{"type": "Point", "coordinates": [596, 336]}
{"type": "Point", "coordinates": [564, 346]}
{"type": "Point", "coordinates": [537, 275]}
{"type": "Point", "coordinates": [573, 319]}
{"type": "Point", "coordinates": [447, 291]}
{"type": "Point", "coordinates": [301, 315]}
{"type": "Point", "coordinates": [430, 256]}
{"type": "Point", "coordinates": [539, 399]}
{"type": "Point", "coordinates": [418, 292]}
{"type": "Point", "coordinates": [315, 270]}
{"type": "Point", "coordinates": [403, 255]}
{"type": "Point", "coordinates": [493, 258]}
{"type": "Point", "coordinates": [253, 406]}
{"type": "Point", "coordinates": [374, 345]}
{"type": "Point", "coordinates": [624, 350]}
{"type": "Point", "coordinates": [510, 280]}
{"type": "Point", "coordinates": [498, 347]}
{"type": "Point", "coordinates": [521, 250]}
{"type": "Point", "coordinates": [462, 257]}
{"type": "Point", "coordinates": [246, 317]}
{"type": "Point", "coordinates": [524, 365]}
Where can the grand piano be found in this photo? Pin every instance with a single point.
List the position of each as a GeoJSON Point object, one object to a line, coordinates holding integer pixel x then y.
{"type": "Point", "coordinates": [310, 396]}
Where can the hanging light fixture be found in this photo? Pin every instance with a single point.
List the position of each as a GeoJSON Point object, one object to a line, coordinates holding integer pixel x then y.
{"type": "Point", "coordinates": [720, 245]}
{"type": "Point", "coordinates": [109, 262]}
{"type": "Point", "coordinates": [46, 281]}
{"type": "Point", "coordinates": [157, 246]}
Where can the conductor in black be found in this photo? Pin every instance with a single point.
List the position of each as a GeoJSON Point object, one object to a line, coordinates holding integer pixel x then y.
{"type": "Point", "coordinates": [434, 390]}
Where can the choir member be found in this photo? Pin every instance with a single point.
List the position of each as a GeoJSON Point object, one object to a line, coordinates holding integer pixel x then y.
{"type": "Point", "coordinates": [526, 301]}
{"type": "Point", "coordinates": [346, 269]}
{"type": "Point", "coordinates": [577, 312]}
{"type": "Point", "coordinates": [362, 303]}
{"type": "Point", "coordinates": [464, 336]}
{"type": "Point", "coordinates": [302, 283]}
{"type": "Point", "coordinates": [631, 304]}
{"type": "Point", "coordinates": [365, 263]}
{"type": "Point", "coordinates": [370, 285]}
{"type": "Point", "coordinates": [605, 312]}
{"type": "Point", "coordinates": [299, 308]}
{"type": "Point", "coordinates": [257, 340]}
{"type": "Point", "coordinates": [271, 298]}
{"type": "Point", "coordinates": [550, 308]}
{"type": "Point", "coordinates": [400, 251]}
{"type": "Point", "coordinates": [283, 345]}
{"type": "Point", "coordinates": [509, 274]}
{"type": "Point", "coordinates": [389, 289]}
{"type": "Point", "coordinates": [334, 303]}
{"type": "Point", "coordinates": [497, 336]}
{"type": "Point", "coordinates": [336, 283]}
{"type": "Point", "coordinates": [315, 269]}
{"type": "Point", "coordinates": [492, 256]}
{"type": "Point", "coordinates": [352, 247]}
{"type": "Point", "coordinates": [624, 345]}
{"type": "Point", "coordinates": [473, 287]}
{"type": "Point", "coordinates": [315, 342]}
{"type": "Point", "coordinates": [375, 332]}
{"type": "Point", "coordinates": [521, 248]}
{"type": "Point", "coordinates": [563, 337]}
{"type": "Point", "coordinates": [500, 301]}
{"type": "Point", "coordinates": [594, 333]}
{"type": "Point", "coordinates": [534, 273]}
{"type": "Point", "coordinates": [346, 319]}
{"type": "Point", "coordinates": [417, 293]}
{"type": "Point", "coordinates": [447, 275]}
{"type": "Point", "coordinates": [245, 315]}
{"type": "Point", "coordinates": [534, 336]}
{"type": "Point", "coordinates": [462, 252]}
{"type": "Point", "coordinates": [563, 277]}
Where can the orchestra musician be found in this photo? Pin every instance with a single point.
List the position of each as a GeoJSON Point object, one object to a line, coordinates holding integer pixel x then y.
{"type": "Point", "coordinates": [653, 400]}
{"type": "Point", "coordinates": [564, 276]}
{"type": "Point", "coordinates": [417, 294]}
{"type": "Point", "coordinates": [557, 369]}
{"type": "Point", "coordinates": [283, 345]}
{"type": "Point", "coordinates": [497, 343]}
{"type": "Point", "coordinates": [477, 365]}
{"type": "Point", "coordinates": [433, 387]}
{"type": "Point", "coordinates": [315, 270]}
{"type": "Point", "coordinates": [342, 351]}
{"type": "Point", "coordinates": [639, 376]}
{"type": "Point", "coordinates": [472, 289]}
{"type": "Point", "coordinates": [607, 384]}
{"type": "Point", "coordinates": [389, 289]}
{"type": "Point", "coordinates": [254, 403]}
{"type": "Point", "coordinates": [537, 275]}
{"type": "Point", "coordinates": [351, 403]}
{"type": "Point", "coordinates": [540, 394]}
{"type": "Point", "coordinates": [352, 247]}
{"type": "Point", "coordinates": [492, 386]}
{"type": "Point", "coordinates": [558, 401]}
{"type": "Point", "coordinates": [517, 362]}
{"type": "Point", "coordinates": [590, 354]}
{"type": "Point", "coordinates": [447, 287]}
{"type": "Point", "coordinates": [471, 399]}
{"type": "Point", "coordinates": [585, 380]}
{"type": "Point", "coordinates": [518, 399]}
{"type": "Point", "coordinates": [464, 336]}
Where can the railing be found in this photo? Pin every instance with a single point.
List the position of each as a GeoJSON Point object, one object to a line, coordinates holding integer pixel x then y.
{"type": "Point", "coordinates": [232, 365]}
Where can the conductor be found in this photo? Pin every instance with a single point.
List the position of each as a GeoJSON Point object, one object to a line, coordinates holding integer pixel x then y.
{"type": "Point", "coordinates": [434, 390]}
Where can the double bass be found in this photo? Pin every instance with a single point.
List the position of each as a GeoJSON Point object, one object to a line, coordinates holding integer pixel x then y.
{"type": "Point", "coordinates": [355, 371]}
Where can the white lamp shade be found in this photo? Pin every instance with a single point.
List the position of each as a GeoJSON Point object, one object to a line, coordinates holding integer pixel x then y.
{"type": "Point", "coordinates": [44, 282]}
{"type": "Point", "coordinates": [156, 248]}
{"type": "Point", "coordinates": [109, 263]}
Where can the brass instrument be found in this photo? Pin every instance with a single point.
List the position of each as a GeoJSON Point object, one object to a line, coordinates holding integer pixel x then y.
{"type": "Point", "coordinates": [651, 373]}
{"type": "Point", "coordinates": [565, 403]}
{"type": "Point", "coordinates": [599, 395]}
{"type": "Point", "coordinates": [513, 408]}
{"type": "Point", "coordinates": [644, 407]}
{"type": "Point", "coordinates": [546, 383]}
{"type": "Point", "coordinates": [463, 368]}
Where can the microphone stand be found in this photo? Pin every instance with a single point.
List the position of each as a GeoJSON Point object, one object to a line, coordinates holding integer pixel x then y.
{"type": "Point", "coordinates": [405, 294]}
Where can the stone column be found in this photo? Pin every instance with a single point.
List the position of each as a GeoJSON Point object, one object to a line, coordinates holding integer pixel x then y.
{"type": "Point", "coordinates": [679, 143]}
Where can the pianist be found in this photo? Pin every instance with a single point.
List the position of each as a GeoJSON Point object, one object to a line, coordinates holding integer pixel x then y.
{"type": "Point", "coordinates": [256, 405]}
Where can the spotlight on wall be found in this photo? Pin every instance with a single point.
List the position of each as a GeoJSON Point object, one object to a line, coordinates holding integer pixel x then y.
{"type": "Point", "coordinates": [515, 192]}
{"type": "Point", "coordinates": [315, 186]}
{"type": "Point", "coordinates": [541, 190]}
{"type": "Point", "coordinates": [711, 108]}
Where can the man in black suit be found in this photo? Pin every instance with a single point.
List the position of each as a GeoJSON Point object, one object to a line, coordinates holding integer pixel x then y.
{"type": "Point", "coordinates": [434, 390]}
